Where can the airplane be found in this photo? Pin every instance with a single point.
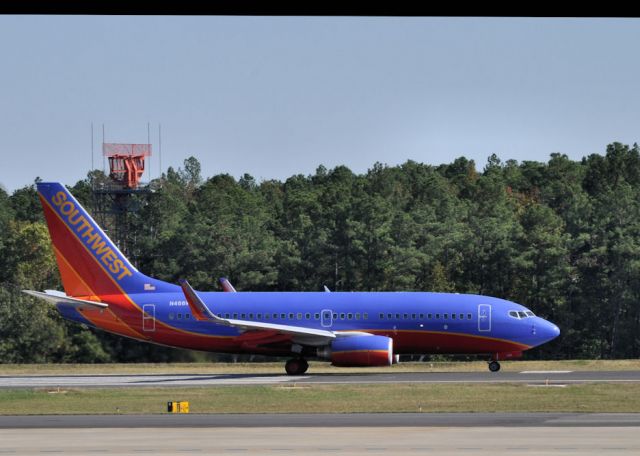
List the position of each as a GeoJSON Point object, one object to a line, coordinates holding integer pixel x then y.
{"type": "Point", "coordinates": [103, 290]}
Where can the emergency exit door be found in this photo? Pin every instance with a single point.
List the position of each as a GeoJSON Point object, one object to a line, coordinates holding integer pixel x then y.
{"type": "Point", "coordinates": [149, 317]}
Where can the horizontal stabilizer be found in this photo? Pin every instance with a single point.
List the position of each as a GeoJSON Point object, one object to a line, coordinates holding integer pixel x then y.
{"type": "Point", "coordinates": [57, 297]}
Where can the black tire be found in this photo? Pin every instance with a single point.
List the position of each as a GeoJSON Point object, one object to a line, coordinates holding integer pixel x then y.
{"type": "Point", "coordinates": [494, 366]}
{"type": "Point", "coordinates": [296, 366]}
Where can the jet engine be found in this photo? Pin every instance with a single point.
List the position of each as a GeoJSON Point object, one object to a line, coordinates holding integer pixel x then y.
{"type": "Point", "coordinates": [359, 351]}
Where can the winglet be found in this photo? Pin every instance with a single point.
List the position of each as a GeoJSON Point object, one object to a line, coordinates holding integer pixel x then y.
{"type": "Point", "coordinates": [226, 285]}
{"type": "Point", "coordinates": [326, 289]}
{"type": "Point", "coordinates": [200, 311]}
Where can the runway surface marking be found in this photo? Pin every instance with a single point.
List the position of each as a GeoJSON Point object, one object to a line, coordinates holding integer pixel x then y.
{"type": "Point", "coordinates": [546, 372]}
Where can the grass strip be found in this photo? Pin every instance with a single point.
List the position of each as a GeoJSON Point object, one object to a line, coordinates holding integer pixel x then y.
{"type": "Point", "coordinates": [594, 398]}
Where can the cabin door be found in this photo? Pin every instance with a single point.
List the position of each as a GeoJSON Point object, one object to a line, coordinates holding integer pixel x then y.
{"type": "Point", "coordinates": [326, 318]}
{"type": "Point", "coordinates": [149, 317]}
{"type": "Point", "coordinates": [484, 317]}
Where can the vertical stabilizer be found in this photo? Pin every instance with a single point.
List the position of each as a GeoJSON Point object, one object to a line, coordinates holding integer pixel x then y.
{"type": "Point", "coordinates": [90, 264]}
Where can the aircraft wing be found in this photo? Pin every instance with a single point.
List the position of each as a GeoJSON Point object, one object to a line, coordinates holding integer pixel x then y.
{"type": "Point", "coordinates": [56, 297]}
{"type": "Point", "coordinates": [301, 334]}
{"type": "Point", "coordinates": [226, 285]}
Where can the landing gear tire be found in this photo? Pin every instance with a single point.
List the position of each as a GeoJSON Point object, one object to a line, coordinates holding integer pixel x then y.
{"type": "Point", "coordinates": [296, 366]}
{"type": "Point", "coordinates": [494, 366]}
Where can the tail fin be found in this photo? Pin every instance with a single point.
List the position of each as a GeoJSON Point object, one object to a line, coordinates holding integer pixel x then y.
{"type": "Point", "coordinates": [90, 264]}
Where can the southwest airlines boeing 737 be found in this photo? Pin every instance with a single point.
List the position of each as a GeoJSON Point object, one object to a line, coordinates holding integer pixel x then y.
{"type": "Point", "coordinates": [103, 290]}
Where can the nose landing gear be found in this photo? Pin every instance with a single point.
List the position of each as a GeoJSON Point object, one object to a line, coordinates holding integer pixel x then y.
{"type": "Point", "coordinates": [296, 366]}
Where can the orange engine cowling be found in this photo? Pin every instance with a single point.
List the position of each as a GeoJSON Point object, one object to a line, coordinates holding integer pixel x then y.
{"type": "Point", "coordinates": [359, 351]}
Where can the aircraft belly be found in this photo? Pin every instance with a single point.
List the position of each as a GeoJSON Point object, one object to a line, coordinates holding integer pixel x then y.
{"type": "Point", "coordinates": [427, 342]}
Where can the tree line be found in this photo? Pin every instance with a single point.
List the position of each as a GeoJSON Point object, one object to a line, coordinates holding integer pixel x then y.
{"type": "Point", "coordinates": [561, 237]}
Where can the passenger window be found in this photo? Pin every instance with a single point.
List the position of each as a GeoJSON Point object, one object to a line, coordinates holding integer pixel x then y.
{"type": "Point", "coordinates": [283, 316]}
{"type": "Point", "coordinates": [365, 316]}
{"type": "Point", "coordinates": [468, 316]}
{"type": "Point", "coordinates": [335, 316]}
{"type": "Point", "coordinates": [413, 316]}
{"type": "Point", "coordinates": [235, 316]}
{"type": "Point", "coordinates": [437, 316]}
{"type": "Point", "coordinates": [226, 315]}
{"type": "Point", "coordinates": [292, 316]}
{"type": "Point", "coordinates": [421, 316]}
{"type": "Point", "coordinates": [179, 316]}
{"type": "Point", "coordinates": [405, 316]}
{"type": "Point", "coordinates": [390, 316]}
{"type": "Point", "coordinates": [267, 316]}
{"type": "Point", "coordinates": [307, 316]}
{"type": "Point", "coordinates": [341, 316]}
{"type": "Point", "coordinates": [250, 316]}
{"type": "Point", "coordinates": [316, 316]}
{"type": "Point", "coordinates": [461, 316]}
{"type": "Point", "coordinates": [349, 316]}
{"type": "Point", "coordinates": [429, 316]}
{"type": "Point", "coordinates": [299, 316]}
{"type": "Point", "coordinates": [381, 316]}
{"type": "Point", "coordinates": [397, 316]}
{"type": "Point", "coordinates": [259, 316]}
{"type": "Point", "coordinates": [453, 316]}
{"type": "Point", "coordinates": [187, 316]}
{"type": "Point", "coordinates": [445, 316]}
{"type": "Point", "coordinates": [172, 316]}
{"type": "Point", "coordinates": [244, 316]}
{"type": "Point", "coordinates": [357, 316]}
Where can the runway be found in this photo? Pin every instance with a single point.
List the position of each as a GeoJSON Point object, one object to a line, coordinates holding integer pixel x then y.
{"type": "Point", "coordinates": [274, 440]}
{"type": "Point", "coordinates": [314, 420]}
{"type": "Point", "coordinates": [158, 380]}
{"type": "Point", "coordinates": [555, 434]}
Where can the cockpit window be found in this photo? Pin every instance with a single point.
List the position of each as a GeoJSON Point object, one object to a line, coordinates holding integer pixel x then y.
{"type": "Point", "coordinates": [521, 314]}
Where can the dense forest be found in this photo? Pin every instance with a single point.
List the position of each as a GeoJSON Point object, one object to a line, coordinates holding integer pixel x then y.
{"type": "Point", "coordinates": [561, 237]}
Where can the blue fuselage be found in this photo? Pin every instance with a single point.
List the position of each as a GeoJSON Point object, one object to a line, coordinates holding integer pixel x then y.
{"type": "Point", "coordinates": [419, 322]}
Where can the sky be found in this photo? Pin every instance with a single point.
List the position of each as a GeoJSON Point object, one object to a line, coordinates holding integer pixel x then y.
{"type": "Point", "coordinates": [278, 96]}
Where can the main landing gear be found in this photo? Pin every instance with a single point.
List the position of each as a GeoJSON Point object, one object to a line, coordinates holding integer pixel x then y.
{"type": "Point", "coordinates": [296, 366]}
{"type": "Point", "coordinates": [494, 366]}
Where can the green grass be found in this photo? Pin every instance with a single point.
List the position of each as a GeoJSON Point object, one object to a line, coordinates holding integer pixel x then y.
{"type": "Point", "coordinates": [277, 368]}
{"type": "Point", "coordinates": [322, 398]}
{"type": "Point", "coordinates": [328, 399]}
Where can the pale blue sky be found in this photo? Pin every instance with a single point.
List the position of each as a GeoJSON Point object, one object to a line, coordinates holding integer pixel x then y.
{"type": "Point", "coordinates": [279, 96]}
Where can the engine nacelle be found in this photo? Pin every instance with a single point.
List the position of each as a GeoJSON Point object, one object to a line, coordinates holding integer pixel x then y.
{"type": "Point", "coordinates": [359, 351]}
